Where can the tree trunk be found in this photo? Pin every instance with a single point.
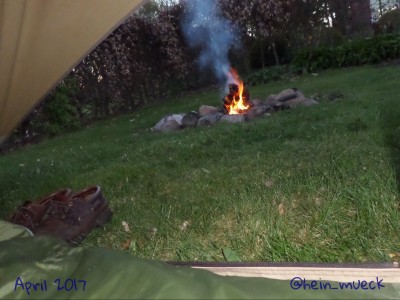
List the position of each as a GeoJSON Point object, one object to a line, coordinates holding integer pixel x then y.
{"type": "Point", "coordinates": [340, 9]}
{"type": "Point", "coordinates": [143, 94]}
{"type": "Point", "coordinates": [262, 54]}
{"type": "Point", "coordinates": [275, 54]}
{"type": "Point", "coordinates": [360, 16]}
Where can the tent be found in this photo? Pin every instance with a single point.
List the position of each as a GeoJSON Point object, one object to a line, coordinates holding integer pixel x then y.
{"type": "Point", "coordinates": [40, 42]}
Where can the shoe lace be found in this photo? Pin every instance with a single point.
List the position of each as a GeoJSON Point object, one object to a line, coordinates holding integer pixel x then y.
{"type": "Point", "coordinates": [62, 210]}
{"type": "Point", "coordinates": [24, 216]}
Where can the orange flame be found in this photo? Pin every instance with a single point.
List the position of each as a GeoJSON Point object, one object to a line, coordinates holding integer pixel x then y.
{"type": "Point", "coordinates": [236, 101]}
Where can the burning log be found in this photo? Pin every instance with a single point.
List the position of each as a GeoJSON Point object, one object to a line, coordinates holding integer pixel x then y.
{"type": "Point", "coordinates": [237, 100]}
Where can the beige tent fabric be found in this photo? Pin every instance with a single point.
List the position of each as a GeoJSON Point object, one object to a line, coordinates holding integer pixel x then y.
{"type": "Point", "coordinates": [41, 40]}
{"type": "Point", "coordinates": [389, 275]}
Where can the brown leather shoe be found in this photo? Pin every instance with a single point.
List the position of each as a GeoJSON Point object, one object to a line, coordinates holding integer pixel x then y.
{"type": "Point", "coordinates": [73, 219]}
{"type": "Point", "coordinates": [31, 214]}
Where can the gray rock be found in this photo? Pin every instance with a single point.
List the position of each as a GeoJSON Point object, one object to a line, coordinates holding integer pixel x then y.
{"type": "Point", "coordinates": [256, 102]}
{"type": "Point", "coordinates": [207, 110]}
{"type": "Point", "coordinates": [309, 102]}
{"type": "Point", "coordinates": [232, 119]}
{"type": "Point", "coordinates": [257, 111]}
{"type": "Point", "coordinates": [176, 117]}
{"type": "Point", "coordinates": [166, 126]}
{"type": "Point", "coordinates": [292, 103]}
{"type": "Point", "coordinates": [169, 123]}
{"type": "Point", "coordinates": [286, 95]}
{"type": "Point", "coordinates": [289, 94]}
{"type": "Point", "coordinates": [300, 94]}
{"type": "Point", "coordinates": [190, 119]}
{"type": "Point", "coordinates": [209, 120]}
{"type": "Point", "coordinates": [275, 105]}
{"type": "Point", "coordinates": [271, 100]}
{"type": "Point", "coordinates": [299, 102]}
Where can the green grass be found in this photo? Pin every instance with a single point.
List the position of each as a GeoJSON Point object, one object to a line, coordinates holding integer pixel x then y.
{"type": "Point", "coordinates": [312, 184]}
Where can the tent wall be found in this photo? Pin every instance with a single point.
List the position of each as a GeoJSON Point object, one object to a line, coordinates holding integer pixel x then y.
{"type": "Point", "coordinates": [41, 41]}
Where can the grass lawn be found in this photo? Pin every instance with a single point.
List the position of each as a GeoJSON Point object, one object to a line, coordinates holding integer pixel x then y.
{"type": "Point", "coordinates": [311, 184]}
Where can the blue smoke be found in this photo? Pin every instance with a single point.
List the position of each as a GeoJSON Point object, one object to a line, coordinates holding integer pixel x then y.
{"type": "Point", "coordinates": [205, 28]}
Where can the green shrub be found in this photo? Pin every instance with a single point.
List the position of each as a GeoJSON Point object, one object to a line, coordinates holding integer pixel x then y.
{"type": "Point", "coordinates": [352, 53]}
{"type": "Point", "coordinates": [327, 37]}
{"type": "Point", "coordinates": [59, 112]}
{"type": "Point", "coordinates": [261, 54]}
{"type": "Point", "coordinates": [314, 59]}
{"type": "Point", "coordinates": [56, 114]}
{"type": "Point", "coordinates": [270, 74]}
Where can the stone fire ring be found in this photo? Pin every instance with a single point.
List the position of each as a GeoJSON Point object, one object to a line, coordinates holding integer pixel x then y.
{"type": "Point", "coordinates": [211, 115]}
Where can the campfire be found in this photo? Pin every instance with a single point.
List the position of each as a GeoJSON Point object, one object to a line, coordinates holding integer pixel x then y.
{"type": "Point", "coordinates": [237, 100]}
{"type": "Point", "coordinates": [237, 107]}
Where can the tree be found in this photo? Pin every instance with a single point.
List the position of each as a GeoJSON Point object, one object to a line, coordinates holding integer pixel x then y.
{"type": "Point", "coordinates": [135, 64]}
{"type": "Point", "coordinates": [261, 19]}
{"type": "Point", "coordinates": [350, 16]}
{"type": "Point", "coordinates": [339, 11]}
{"type": "Point", "coordinates": [360, 16]}
{"type": "Point", "coordinates": [379, 7]}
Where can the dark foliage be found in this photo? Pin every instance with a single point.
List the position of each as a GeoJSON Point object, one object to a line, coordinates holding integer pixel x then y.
{"type": "Point", "coordinates": [390, 22]}
{"type": "Point", "coordinates": [271, 74]}
{"type": "Point", "coordinates": [351, 53]}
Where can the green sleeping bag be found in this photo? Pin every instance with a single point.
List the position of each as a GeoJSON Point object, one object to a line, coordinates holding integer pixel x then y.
{"type": "Point", "coordinates": [45, 268]}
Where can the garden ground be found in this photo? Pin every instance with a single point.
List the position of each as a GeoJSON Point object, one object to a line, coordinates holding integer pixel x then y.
{"type": "Point", "coordinates": [316, 183]}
